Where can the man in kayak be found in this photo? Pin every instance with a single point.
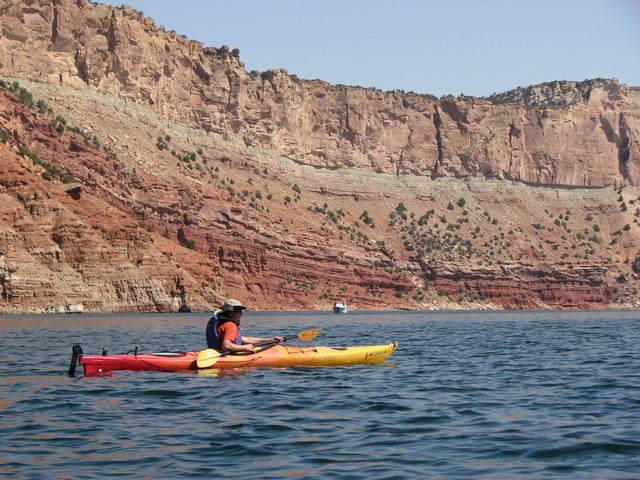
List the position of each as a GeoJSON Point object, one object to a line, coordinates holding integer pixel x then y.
{"type": "Point", "coordinates": [224, 332]}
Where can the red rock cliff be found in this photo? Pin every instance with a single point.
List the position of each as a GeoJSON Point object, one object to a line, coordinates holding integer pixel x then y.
{"type": "Point", "coordinates": [198, 180]}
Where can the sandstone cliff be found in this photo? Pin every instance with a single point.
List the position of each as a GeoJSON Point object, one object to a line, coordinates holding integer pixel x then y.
{"type": "Point", "coordinates": [60, 254]}
{"type": "Point", "coordinates": [535, 135]}
{"type": "Point", "coordinates": [290, 193]}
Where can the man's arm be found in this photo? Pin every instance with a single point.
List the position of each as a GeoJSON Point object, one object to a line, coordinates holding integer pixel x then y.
{"type": "Point", "coordinates": [229, 346]}
{"type": "Point", "coordinates": [229, 333]}
{"type": "Point", "coordinates": [261, 340]}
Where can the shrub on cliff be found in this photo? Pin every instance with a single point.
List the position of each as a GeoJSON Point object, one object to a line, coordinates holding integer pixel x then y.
{"type": "Point", "coordinates": [364, 216]}
{"type": "Point", "coordinates": [26, 97]}
{"type": "Point", "coordinates": [42, 107]}
{"type": "Point", "coordinates": [51, 169]}
{"type": "Point", "coordinates": [59, 124]}
{"type": "Point", "coordinates": [23, 94]}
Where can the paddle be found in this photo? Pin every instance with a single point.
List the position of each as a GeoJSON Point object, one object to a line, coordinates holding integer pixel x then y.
{"type": "Point", "coordinates": [209, 357]}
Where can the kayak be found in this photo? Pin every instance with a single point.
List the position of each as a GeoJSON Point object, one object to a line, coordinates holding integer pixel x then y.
{"type": "Point", "coordinates": [273, 356]}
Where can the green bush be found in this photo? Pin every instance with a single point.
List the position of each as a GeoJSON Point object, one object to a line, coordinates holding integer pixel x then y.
{"type": "Point", "coordinates": [51, 169]}
{"type": "Point", "coordinates": [42, 106]}
{"type": "Point", "coordinates": [364, 216]}
{"type": "Point", "coordinates": [401, 209]}
{"type": "Point", "coordinates": [26, 97]}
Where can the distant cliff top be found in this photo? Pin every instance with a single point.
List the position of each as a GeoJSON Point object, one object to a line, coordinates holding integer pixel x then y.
{"type": "Point", "coordinates": [590, 139]}
{"type": "Point", "coordinates": [558, 93]}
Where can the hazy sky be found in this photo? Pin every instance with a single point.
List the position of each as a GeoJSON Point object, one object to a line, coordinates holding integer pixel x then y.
{"type": "Point", "coordinates": [473, 47]}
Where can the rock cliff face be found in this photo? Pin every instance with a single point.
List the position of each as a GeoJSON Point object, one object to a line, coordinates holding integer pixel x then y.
{"type": "Point", "coordinates": [566, 133]}
{"type": "Point", "coordinates": [60, 254]}
{"type": "Point", "coordinates": [198, 180]}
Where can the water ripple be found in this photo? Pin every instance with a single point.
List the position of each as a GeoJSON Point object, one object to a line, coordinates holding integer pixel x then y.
{"type": "Point", "coordinates": [501, 395]}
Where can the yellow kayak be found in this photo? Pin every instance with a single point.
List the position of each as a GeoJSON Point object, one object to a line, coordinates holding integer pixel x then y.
{"type": "Point", "coordinates": [294, 356]}
{"type": "Point", "coordinates": [271, 356]}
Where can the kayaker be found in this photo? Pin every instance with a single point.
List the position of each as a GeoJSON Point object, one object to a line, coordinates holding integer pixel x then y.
{"type": "Point", "coordinates": [224, 332]}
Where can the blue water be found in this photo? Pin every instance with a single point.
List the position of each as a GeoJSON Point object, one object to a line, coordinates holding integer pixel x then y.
{"type": "Point", "coordinates": [466, 395]}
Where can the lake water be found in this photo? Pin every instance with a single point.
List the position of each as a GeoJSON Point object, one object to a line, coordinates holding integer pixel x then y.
{"type": "Point", "coordinates": [466, 395]}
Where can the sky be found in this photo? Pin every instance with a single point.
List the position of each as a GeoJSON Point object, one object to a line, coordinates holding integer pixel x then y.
{"type": "Point", "coordinates": [471, 47]}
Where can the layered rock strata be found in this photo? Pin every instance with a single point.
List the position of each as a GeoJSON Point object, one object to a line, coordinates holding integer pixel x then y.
{"type": "Point", "coordinates": [195, 180]}
{"type": "Point", "coordinates": [564, 133]}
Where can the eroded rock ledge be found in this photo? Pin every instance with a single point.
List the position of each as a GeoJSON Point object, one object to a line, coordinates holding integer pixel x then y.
{"type": "Point", "coordinates": [560, 133]}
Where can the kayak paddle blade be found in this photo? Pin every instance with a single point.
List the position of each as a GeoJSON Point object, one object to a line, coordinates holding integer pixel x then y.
{"type": "Point", "coordinates": [309, 334]}
{"type": "Point", "coordinates": [207, 358]}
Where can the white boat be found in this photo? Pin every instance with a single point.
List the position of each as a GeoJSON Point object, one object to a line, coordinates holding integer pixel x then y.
{"type": "Point", "coordinates": [340, 307]}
